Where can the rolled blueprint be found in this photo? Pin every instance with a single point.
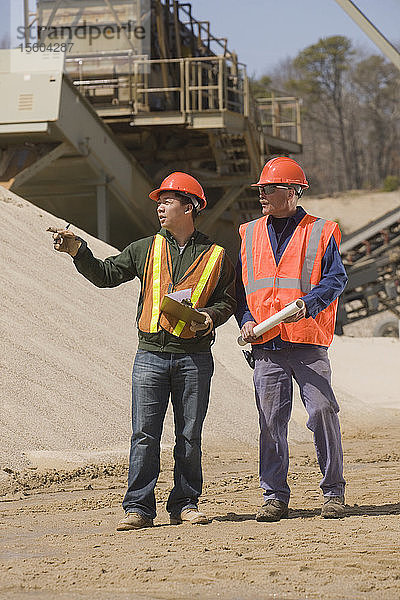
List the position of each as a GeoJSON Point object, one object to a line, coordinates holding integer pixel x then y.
{"type": "Point", "coordinates": [273, 321]}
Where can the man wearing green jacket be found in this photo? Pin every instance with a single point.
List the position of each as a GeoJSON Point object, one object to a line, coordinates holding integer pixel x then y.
{"type": "Point", "coordinates": [174, 357]}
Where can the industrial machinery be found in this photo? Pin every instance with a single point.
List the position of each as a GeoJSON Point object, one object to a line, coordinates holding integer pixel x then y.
{"type": "Point", "coordinates": [372, 259]}
{"type": "Point", "coordinates": [161, 91]}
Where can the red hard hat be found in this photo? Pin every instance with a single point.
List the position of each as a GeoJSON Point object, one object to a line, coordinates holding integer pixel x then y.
{"type": "Point", "coordinates": [181, 182]}
{"type": "Point", "coordinates": [282, 170]}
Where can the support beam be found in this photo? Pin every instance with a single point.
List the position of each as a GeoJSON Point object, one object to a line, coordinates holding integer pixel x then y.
{"type": "Point", "coordinates": [372, 32]}
{"type": "Point", "coordinates": [103, 213]}
{"type": "Point", "coordinates": [213, 180]}
{"type": "Point", "coordinates": [128, 181]}
{"type": "Point", "coordinates": [39, 165]}
{"type": "Point", "coordinates": [36, 196]}
{"type": "Point", "coordinates": [163, 44]}
{"type": "Point", "coordinates": [210, 219]}
{"type": "Point", "coordinates": [43, 33]}
{"type": "Point", "coordinates": [135, 212]}
{"type": "Point", "coordinates": [177, 29]}
{"type": "Point", "coordinates": [253, 149]}
{"type": "Point", "coordinates": [26, 22]}
{"type": "Point", "coordinates": [50, 187]}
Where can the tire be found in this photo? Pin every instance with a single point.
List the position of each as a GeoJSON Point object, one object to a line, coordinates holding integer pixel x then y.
{"type": "Point", "coordinates": [388, 327]}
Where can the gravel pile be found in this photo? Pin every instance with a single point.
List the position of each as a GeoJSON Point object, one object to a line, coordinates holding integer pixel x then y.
{"type": "Point", "coordinates": [66, 353]}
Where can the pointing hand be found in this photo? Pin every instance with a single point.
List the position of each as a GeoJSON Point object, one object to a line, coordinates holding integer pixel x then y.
{"type": "Point", "coordinates": [65, 241]}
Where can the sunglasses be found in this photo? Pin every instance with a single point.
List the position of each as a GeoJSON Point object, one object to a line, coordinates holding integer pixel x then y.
{"type": "Point", "coordinates": [270, 188]}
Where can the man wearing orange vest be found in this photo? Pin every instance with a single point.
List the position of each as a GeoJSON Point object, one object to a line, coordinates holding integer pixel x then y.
{"type": "Point", "coordinates": [285, 255]}
{"type": "Point", "coordinates": [174, 357]}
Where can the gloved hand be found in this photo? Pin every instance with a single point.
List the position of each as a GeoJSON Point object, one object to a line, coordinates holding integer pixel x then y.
{"type": "Point", "coordinates": [65, 241]}
{"type": "Point", "coordinates": [205, 327]}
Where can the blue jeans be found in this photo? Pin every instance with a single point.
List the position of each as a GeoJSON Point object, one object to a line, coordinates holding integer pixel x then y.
{"type": "Point", "coordinates": [273, 380]}
{"type": "Point", "coordinates": [157, 376]}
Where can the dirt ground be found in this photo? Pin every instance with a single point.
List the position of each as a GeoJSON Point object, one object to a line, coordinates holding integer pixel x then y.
{"type": "Point", "coordinates": [59, 538]}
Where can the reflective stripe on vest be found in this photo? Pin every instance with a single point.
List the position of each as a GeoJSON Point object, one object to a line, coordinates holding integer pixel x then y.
{"type": "Point", "coordinates": [303, 284]}
{"type": "Point", "coordinates": [156, 288]}
{"type": "Point", "coordinates": [156, 283]}
{"type": "Point", "coordinates": [200, 286]}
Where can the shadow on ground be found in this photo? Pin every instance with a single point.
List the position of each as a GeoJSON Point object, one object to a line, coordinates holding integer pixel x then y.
{"type": "Point", "coordinates": [367, 510]}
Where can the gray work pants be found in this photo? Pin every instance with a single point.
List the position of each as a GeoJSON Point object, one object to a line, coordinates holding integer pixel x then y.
{"type": "Point", "coordinates": [273, 381]}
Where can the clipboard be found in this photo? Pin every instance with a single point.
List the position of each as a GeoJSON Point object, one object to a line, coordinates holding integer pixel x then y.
{"type": "Point", "coordinates": [181, 311]}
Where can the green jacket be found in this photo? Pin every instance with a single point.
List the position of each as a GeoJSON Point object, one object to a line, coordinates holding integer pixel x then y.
{"type": "Point", "coordinates": [130, 263]}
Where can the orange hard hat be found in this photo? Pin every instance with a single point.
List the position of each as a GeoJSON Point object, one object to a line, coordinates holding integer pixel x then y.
{"type": "Point", "coordinates": [282, 170]}
{"type": "Point", "coordinates": [181, 182]}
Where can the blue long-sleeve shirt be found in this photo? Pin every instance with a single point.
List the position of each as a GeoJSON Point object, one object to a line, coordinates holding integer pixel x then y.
{"type": "Point", "coordinates": [332, 283]}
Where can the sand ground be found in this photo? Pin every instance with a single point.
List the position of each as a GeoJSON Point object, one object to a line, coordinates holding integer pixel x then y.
{"type": "Point", "coordinates": [59, 538]}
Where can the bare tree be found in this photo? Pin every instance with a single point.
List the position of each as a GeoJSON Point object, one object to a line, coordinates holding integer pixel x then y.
{"type": "Point", "coordinates": [350, 114]}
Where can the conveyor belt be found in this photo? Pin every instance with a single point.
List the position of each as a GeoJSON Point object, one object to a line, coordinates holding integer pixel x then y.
{"type": "Point", "coordinates": [370, 230]}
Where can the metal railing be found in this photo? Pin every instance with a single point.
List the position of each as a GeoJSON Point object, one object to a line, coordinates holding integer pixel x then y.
{"type": "Point", "coordinates": [181, 84]}
{"type": "Point", "coordinates": [184, 85]}
{"type": "Point", "coordinates": [280, 117]}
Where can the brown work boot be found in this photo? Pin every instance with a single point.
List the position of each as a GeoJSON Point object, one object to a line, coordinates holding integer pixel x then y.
{"type": "Point", "coordinates": [333, 507]}
{"type": "Point", "coordinates": [189, 515]}
{"type": "Point", "coordinates": [134, 520]}
{"type": "Point", "coordinates": [272, 510]}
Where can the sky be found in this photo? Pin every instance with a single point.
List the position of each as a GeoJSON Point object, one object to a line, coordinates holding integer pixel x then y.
{"type": "Point", "coordinates": [265, 32]}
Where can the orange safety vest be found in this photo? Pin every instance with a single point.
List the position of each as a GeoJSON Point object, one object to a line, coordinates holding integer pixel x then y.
{"type": "Point", "coordinates": [202, 277]}
{"type": "Point", "coordinates": [270, 287]}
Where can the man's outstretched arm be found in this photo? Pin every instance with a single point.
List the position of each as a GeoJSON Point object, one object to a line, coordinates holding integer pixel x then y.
{"type": "Point", "coordinates": [110, 272]}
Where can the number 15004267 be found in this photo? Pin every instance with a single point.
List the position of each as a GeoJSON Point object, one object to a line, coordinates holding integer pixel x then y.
{"type": "Point", "coordinates": [41, 47]}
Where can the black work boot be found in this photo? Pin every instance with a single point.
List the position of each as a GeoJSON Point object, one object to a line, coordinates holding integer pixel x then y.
{"type": "Point", "coordinates": [272, 510]}
{"type": "Point", "coordinates": [333, 507]}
